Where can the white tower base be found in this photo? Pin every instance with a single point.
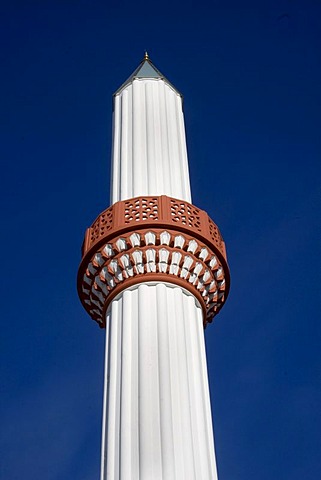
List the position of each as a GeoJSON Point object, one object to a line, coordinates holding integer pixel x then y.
{"type": "Point", "coordinates": [157, 421]}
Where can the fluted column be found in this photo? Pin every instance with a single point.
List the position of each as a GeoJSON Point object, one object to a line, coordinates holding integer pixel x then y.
{"type": "Point", "coordinates": [157, 416]}
{"type": "Point", "coordinates": [149, 145]}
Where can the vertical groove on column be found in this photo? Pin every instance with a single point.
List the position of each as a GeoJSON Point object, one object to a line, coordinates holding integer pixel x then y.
{"type": "Point", "coordinates": [135, 419]}
{"type": "Point", "coordinates": [158, 139]}
{"type": "Point", "coordinates": [137, 142]}
{"type": "Point", "coordinates": [183, 149]}
{"type": "Point", "coordinates": [166, 420]}
{"type": "Point", "coordinates": [115, 183]}
{"type": "Point", "coordinates": [197, 447]}
{"type": "Point", "coordinates": [126, 390]}
{"type": "Point", "coordinates": [104, 426]}
{"type": "Point", "coordinates": [173, 143]}
{"type": "Point", "coordinates": [157, 443]}
{"type": "Point", "coordinates": [144, 154]}
{"type": "Point", "coordinates": [177, 146]}
{"type": "Point", "coordinates": [186, 390]}
{"type": "Point", "coordinates": [177, 415]}
{"type": "Point", "coordinates": [206, 405]}
{"type": "Point", "coordinates": [113, 415]}
{"type": "Point", "coordinates": [200, 419]}
{"type": "Point", "coordinates": [124, 145]}
{"type": "Point", "coordinates": [188, 335]}
{"type": "Point", "coordinates": [129, 186]}
{"type": "Point", "coordinates": [145, 411]}
{"type": "Point", "coordinates": [149, 125]}
{"type": "Point", "coordinates": [166, 152]}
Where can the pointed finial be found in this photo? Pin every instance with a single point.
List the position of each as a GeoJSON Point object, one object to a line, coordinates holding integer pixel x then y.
{"type": "Point", "coordinates": [146, 57]}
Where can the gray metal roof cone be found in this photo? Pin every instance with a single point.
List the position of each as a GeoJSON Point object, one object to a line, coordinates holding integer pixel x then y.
{"type": "Point", "coordinates": [145, 69]}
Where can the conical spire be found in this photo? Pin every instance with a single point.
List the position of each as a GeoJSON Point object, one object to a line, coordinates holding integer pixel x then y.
{"type": "Point", "coordinates": [145, 69]}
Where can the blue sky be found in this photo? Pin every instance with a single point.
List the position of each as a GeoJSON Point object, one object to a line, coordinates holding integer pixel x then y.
{"type": "Point", "coordinates": [250, 73]}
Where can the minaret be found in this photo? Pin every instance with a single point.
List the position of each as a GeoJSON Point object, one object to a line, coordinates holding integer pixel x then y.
{"type": "Point", "coordinates": [153, 274]}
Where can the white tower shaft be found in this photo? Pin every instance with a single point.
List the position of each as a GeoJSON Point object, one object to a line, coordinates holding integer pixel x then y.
{"type": "Point", "coordinates": [149, 144]}
{"type": "Point", "coordinates": [156, 416]}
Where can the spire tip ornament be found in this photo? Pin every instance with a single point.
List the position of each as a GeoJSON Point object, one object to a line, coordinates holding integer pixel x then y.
{"type": "Point", "coordinates": [146, 56]}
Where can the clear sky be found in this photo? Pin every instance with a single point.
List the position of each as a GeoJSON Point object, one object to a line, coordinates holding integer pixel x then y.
{"type": "Point", "coordinates": [250, 73]}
